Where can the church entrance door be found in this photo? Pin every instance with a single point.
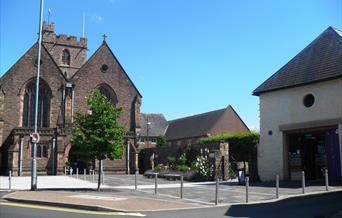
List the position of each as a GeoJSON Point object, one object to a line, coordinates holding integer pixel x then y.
{"type": "Point", "coordinates": [76, 161]}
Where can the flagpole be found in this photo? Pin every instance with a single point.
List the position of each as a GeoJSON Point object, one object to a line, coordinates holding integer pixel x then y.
{"type": "Point", "coordinates": [34, 161]}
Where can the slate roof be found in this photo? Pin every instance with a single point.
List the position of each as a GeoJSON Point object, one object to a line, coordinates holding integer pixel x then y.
{"type": "Point", "coordinates": [156, 128]}
{"type": "Point", "coordinates": [193, 126]}
{"type": "Point", "coordinates": [320, 60]}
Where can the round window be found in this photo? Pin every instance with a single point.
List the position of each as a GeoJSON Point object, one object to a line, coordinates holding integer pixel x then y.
{"type": "Point", "coordinates": [104, 68]}
{"type": "Point", "coordinates": [308, 100]}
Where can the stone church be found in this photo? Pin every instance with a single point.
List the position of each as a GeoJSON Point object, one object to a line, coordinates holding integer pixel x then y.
{"type": "Point", "coordinates": [67, 77]}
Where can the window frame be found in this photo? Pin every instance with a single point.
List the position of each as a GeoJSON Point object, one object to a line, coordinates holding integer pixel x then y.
{"type": "Point", "coordinates": [108, 92]}
{"type": "Point", "coordinates": [66, 57]}
{"type": "Point", "coordinates": [39, 151]}
{"type": "Point", "coordinates": [28, 105]}
{"type": "Point", "coordinates": [45, 151]}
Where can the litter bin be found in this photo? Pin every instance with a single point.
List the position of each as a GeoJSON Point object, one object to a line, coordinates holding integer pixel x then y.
{"type": "Point", "coordinates": [241, 177]}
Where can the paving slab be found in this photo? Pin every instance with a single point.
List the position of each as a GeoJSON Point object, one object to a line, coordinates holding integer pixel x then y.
{"type": "Point", "coordinates": [198, 193]}
{"type": "Point", "coordinates": [97, 202]}
{"type": "Point", "coordinates": [46, 182]}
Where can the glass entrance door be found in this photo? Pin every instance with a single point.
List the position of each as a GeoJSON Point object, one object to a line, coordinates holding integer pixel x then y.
{"type": "Point", "coordinates": [307, 152]}
{"type": "Point", "coordinates": [333, 151]}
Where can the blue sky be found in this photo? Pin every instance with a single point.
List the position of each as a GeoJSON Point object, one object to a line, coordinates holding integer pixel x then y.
{"type": "Point", "coordinates": [184, 56]}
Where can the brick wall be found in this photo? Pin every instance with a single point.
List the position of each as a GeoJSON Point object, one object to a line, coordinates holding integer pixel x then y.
{"type": "Point", "coordinates": [14, 81]}
{"type": "Point", "coordinates": [91, 76]}
{"type": "Point", "coordinates": [55, 44]}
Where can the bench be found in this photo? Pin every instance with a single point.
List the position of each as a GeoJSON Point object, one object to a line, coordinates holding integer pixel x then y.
{"type": "Point", "coordinates": [150, 174]}
{"type": "Point", "coordinates": [172, 176]}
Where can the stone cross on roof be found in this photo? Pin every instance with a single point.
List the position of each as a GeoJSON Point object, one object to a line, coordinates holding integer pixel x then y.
{"type": "Point", "coordinates": [104, 37]}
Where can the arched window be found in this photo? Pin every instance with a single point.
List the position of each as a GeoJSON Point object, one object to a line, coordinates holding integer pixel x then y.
{"type": "Point", "coordinates": [29, 105]}
{"type": "Point", "coordinates": [66, 57]}
{"type": "Point", "coordinates": [39, 151]}
{"type": "Point", "coordinates": [45, 151]}
{"type": "Point", "coordinates": [109, 93]}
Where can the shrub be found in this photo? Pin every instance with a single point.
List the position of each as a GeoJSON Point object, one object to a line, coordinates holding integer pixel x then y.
{"type": "Point", "coordinates": [202, 166]}
{"type": "Point", "coordinates": [240, 144]}
{"type": "Point", "coordinates": [171, 162]}
{"type": "Point", "coordinates": [182, 159]}
{"type": "Point", "coordinates": [190, 153]}
{"type": "Point", "coordinates": [182, 168]}
{"type": "Point", "coordinates": [161, 141]}
{"type": "Point", "coordinates": [161, 167]}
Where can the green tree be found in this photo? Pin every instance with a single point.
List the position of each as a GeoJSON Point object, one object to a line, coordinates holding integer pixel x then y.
{"type": "Point", "coordinates": [161, 141]}
{"type": "Point", "coordinates": [97, 134]}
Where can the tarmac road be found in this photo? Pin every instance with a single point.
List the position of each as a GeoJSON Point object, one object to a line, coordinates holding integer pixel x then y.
{"type": "Point", "coordinates": [320, 206]}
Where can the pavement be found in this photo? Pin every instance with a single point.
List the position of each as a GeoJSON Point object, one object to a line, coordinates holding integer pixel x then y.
{"type": "Point", "coordinates": [46, 182]}
{"type": "Point", "coordinates": [326, 205]}
{"type": "Point", "coordinates": [118, 193]}
{"type": "Point", "coordinates": [88, 201]}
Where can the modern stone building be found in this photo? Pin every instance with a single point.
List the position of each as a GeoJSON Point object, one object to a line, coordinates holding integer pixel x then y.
{"type": "Point", "coordinates": [67, 77]}
{"type": "Point", "coordinates": [301, 114]}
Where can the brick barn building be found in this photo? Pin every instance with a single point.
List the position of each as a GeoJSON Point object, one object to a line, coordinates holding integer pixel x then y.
{"type": "Point", "coordinates": [67, 77]}
{"type": "Point", "coordinates": [188, 130]}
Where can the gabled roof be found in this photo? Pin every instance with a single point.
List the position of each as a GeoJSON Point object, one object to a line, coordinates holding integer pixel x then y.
{"type": "Point", "coordinates": [157, 127]}
{"type": "Point", "coordinates": [320, 60]}
{"type": "Point", "coordinates": [193, 126]}
{"type": "Point", "coordinates": [35, 47]}
{"type": "Point", "coordinates": [104, 44]}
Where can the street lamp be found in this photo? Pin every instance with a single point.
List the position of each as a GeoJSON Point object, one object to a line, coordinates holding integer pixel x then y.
{"type": "Point", "coordinates": [147, 128]}
{"type": "Point", "coordinates": [34, 161]}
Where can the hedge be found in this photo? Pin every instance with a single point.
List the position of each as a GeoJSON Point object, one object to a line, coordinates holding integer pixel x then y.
{"type": "Point", "coordinates": [240, 144]}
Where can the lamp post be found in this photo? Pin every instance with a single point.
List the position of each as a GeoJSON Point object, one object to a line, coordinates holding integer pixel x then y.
{"type": "Point", "coordinates": [147, 129]}
{"type": "Point", "coordinates": [34, 161]}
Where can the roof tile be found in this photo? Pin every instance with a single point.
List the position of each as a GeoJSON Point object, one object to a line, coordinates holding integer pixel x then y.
{"type": "Point", "coordinates": [320, 60]}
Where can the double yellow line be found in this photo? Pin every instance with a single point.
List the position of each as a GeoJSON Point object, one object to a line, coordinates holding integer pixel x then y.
{"type": "Point", "coordinates": [71, 210]}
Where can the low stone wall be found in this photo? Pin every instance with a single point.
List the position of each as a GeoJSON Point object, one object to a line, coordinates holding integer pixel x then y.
{"type": "Point", "coordinates": [218, 156]}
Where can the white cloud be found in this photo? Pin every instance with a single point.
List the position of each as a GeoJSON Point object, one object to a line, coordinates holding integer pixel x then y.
{"type": "Point", "coordinates": [98, 18]}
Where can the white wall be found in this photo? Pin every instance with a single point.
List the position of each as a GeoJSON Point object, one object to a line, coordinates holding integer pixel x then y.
{"type": "Point", "coordinates": [285, 107]}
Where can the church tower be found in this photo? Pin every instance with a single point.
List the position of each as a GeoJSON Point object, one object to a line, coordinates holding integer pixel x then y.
{"type": "Point", "coordinates": [68, 52]}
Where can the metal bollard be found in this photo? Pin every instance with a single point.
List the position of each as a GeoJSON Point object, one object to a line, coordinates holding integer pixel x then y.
{"type": "Point", "coordinates": [85, 174]}
{"type": "Point", "coordinates": [10, 180]}
{"type": "Point", "coordinates": [155, 183]}
{"type": "Point", "coordinates": [303, 182]}
{"type": "Point", "coordinates": [71, 170]}
{"type": "Point", "coordinates": [277, 186]}
{"type": "Point", "coordinates": [326, 180]}
{"type": "Point", "coordinates": [65, 171]}
{"type": "Point", "coordinates": [247, 186]}
{"type": "Point", "coordinates": [181, 187]}
{"type": "Point", "coordinates": [136, 180]}
{"type": "Point", "coordinates": [216, 191]}
{"type": "Point", "coordinates": [93, 176]}
{"type": "Point", "coordinates": [77, 173]}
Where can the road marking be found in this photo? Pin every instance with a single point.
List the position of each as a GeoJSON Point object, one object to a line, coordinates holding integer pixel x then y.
{"type": "Point", "coordinates": [106, 198]}
{"type": "Point", "coordinates": [71, 210]}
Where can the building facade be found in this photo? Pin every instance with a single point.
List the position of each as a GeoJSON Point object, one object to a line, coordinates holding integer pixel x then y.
{"type": "Point", "coordinates": [153, 126]}
{"type": "Point", "coordinates": [301, 114]}
{"type": "Point", "coordinates": [67, 78]}
{"type": "Point", "coordinates": [188, 130]}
